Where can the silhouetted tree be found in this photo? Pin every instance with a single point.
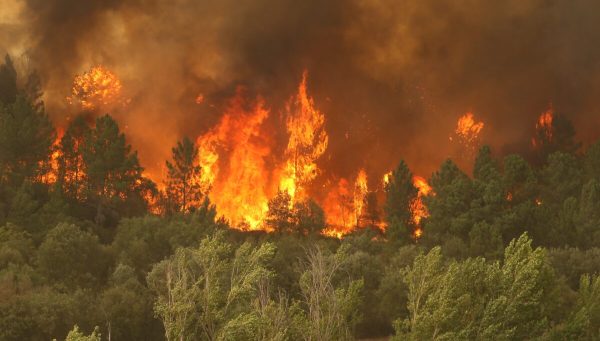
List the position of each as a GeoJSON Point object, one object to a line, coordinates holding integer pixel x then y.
{"type": "Point", "coordinates": [308, 217]}
{"type": "Point", "coordinates": [184, 191]}
{"type": "Point", "coordinates": [400, 194]}
{"type": "Point", "coordinates": [280, 216]}
{"type": "Point", "coordinates": [560, 136]}
{"type": "Point", "coordinates": [8, 82]}
{"type": "Point", "coordinates": [26, 136]}
{"type": "Point", "coordinates": [113, 173]}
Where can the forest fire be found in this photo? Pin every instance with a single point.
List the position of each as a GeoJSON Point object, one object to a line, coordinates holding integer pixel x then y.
{"type": "Point", "coordinates": [299, 170]}
{"type": "Point", "coordinates": [234, 156]}
{"type": "Point", "coordinates": [307, 142]}
{"type": "Point", "coordinates": [468, 130]}
{"type": "Point", "coordinates": [345, 205]}
{"type": "Point", "coordinates": [545, 122]}
{"type": "Point", "coordinates": [544, 128]}
{"type": "Point", "coordinates": [96, 87]}
{"type": "Point", "coordinates": [51, 175]}
{"type": "Point", "coordinates": [418, 208]}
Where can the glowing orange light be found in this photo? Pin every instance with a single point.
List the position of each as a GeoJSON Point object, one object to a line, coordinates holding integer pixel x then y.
{"type": "Point", "coordinates": [468, 130]}
{"type": "Point", "coordinates": [97, 87]}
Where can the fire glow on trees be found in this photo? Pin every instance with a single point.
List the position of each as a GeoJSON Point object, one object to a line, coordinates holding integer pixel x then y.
{"type": "Point", "coordinates": [307, 142]}
{"type": "Point", "coordinates": [345, 204]}
{"type": "Point", "coordinates": [51, 175]}
{"type": "Point", "coordinates": [468, 131]}
{"type": "Point", "coordinates": [234, 157]}
{"type": "Point", "coordinates": [96, 87]}
{"type": "Point", "coordinates": [240, 175]}
{"type": "Point", "coordinates": [543, 127]}
{"type": "Point", "coordinates": [418, 208]}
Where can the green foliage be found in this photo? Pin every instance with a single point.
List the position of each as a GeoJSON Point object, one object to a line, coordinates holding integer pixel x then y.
{"type": "Point", "coordinates": [305, 217]}
{"type": "Point", "coordinates": [113, 174]}
{"type": "Point", "coordinates": [331, 310]}
{"type": "Point", "coordinates": [76, 335]}
{"type": "Point", "coordinates": [26, 135]}
{"type": "Point", "coordinates": [474, 299]}
{"type": "Point", "coordinates": [308, 217]}
{"type": "Point", "coordinates": [280, 215]}
{"type": "Point", "coordinates": [8, 81]}
{"type": "Point", "coordinates": [561, 139]}
{"type": "Point", "coordinates": [400, 193]}
{"type": "Point", "coordinates": [79, 247]}
{"type": "Point", "coordinates": [71, 258]}
{"type": "Point", "coordinates": [126, 305]}
{"type": "Point", "coordinates": [202, 291]}
{"type": "Point", "coordinates": [184, 190]}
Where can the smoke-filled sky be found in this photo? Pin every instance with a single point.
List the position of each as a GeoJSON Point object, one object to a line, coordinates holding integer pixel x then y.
{"type": "Point", "coordinates": [391, 76]}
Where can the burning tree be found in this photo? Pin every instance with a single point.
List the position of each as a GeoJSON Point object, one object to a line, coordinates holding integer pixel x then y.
{"type": "Point", "coordinates": [307, 142]}
{"type": "Point", "coordinates": [553, 133]}
{"type": "Point", "coordinates": [94, 88]}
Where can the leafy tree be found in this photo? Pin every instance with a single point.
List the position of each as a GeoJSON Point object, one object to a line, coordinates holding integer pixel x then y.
{"type": "Point", "coordinates": [16, 256]}
{"type": "Point", "coordinates": [204, 291]}
{"type": "Point", "coordinates": [41, 314]}
{"type": "Point", "coordinates": [473, 299]}
{"type": "Point", "coordinates": [139, 242]}
{"type": "Point", "coordinates": [331, 312]}
{"type": "Point", "coordinates": [126, 306]}
{"type": "Point", "coordinates": [584, 322]}
{"type": "Point", "coordinates": [76, 335]}
{"type": "Point", "coordinates": [272, 319]}
{"type": "Point", "coordinates": [591, 162]}
{"type": "Point", "coordinates": [587, 223]}
{"type": "Point", "coordinates": [561, 178]}
{"type": "Point", "coordinates": [392, 287]}
{"type": "Point", "coordinates": [572, 263]}
{"type": "Point", "coordinates": [71, 258]}
{"type": "Point", "coordinates": [183, 177]}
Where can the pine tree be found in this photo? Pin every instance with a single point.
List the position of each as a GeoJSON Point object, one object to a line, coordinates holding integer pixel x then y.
{"type": "Point", "coordinates": [184, 190]}
{"type": "Point", "coordinates": [26, 136]}
{"type": "Point", "coordinates": [113, 173]}
{"type": "Point", "coordinates": [400, 193]}
{"type": "Point", "coordinates": [8, 81]}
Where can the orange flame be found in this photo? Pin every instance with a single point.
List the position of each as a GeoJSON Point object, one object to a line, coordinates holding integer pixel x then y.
{"type": "Point", "coordinates": [232, 157]}
{"type": "Point", "coordinates": [339, 211]}
{"type": "Point", "coordinates": [544, 127]}
{"type": "Point", "coordinates": [418, 208]}
{"type": "Point", "coordinates": [51, 175]}
{"type": "Point", "coordinates": [387, 177]}
{"type": "Point", "coordinates": [344, 207]}
{"type": "Point", "coordinates": [360, 194]}
{"type": "Point", "coordinates": [95, 88]}
{"type": "Point", "coordinates": [307, 142]}
{"type": "Point", "coordinates": [468, 130]}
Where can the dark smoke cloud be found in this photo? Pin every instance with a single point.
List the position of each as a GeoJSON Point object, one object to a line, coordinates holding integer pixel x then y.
{"type": "Point", "coordinates": [391, 76]}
